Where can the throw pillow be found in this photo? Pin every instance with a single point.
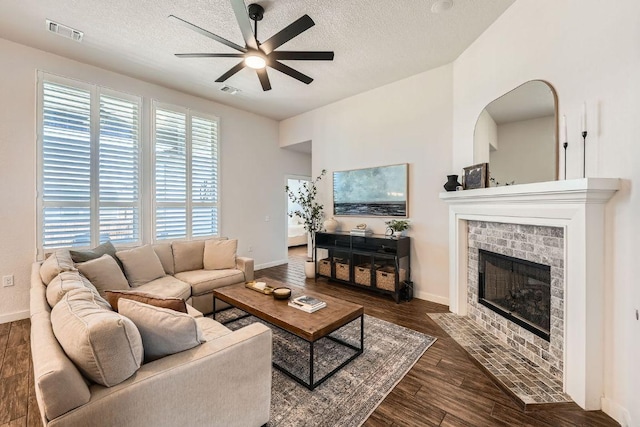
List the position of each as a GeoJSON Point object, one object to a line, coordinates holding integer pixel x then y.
{"type": "Point", "coordinates": [104, 274]}
{"type": "Point", "coordinates": [220, 254]}
{"type": "Point", "coordinates": [103, 344]}
{"type": "Point", "coordinates": [106, 248]}
{"type": "Point", "coordinates": [68, 281]}
{"type": "Point", "coordinates": [141, 265]}
{"type": "Point", "coordinates": [57, 262]}
{"type": "Point", "coordinates": [187, 256]}
{"type": "Point", "coordinates": [165, 253]}
{"type": "Point", "coordinates": [176, 304]}
{"type": "Point", "coordinates": [163, 331]}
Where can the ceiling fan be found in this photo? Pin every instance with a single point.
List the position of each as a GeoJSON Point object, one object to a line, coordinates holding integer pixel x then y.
{"type": "Point", "coordinates": [258, 55]}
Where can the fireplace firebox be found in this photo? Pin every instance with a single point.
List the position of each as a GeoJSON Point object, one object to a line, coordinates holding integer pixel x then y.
{"type": "Point", "coordinates": [517, 289]}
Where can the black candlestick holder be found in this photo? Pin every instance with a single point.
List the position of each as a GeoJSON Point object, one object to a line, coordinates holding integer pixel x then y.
{"type": "Point", "coordinates": [584, 154]}
{"type": "Point", "coordinates": [565, 145]}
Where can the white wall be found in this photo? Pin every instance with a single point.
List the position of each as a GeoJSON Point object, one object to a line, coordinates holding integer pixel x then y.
{"type": "Point", "coordinates": [408, 121]}
{"type": "Point", "coordinates": [253, 166]}
{"type": "Point", "coordinates": [526, 151]}
{"type": "Point", "coordinates": [588, 51]}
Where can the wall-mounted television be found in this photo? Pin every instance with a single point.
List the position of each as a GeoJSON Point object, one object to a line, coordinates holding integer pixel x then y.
{"type": "Point", "coordinates": [378, 191]}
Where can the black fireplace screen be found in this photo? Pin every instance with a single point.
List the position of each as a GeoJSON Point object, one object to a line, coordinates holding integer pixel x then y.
{"type": "Point", "coordinates": [516, 289]}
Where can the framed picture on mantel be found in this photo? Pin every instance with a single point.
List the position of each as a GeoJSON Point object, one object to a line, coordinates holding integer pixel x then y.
{"type": "Point", "coordinates": [476, 176]}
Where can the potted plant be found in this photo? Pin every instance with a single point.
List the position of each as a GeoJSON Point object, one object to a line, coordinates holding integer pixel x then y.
{"type": "Point", "coordinates": [310, 213]}
{"type": "Point", "coordinates": [396, 227]}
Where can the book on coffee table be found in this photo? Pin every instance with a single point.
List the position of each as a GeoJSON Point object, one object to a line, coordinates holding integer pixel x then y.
{"type": "Point", "coordinates": [307, 303]}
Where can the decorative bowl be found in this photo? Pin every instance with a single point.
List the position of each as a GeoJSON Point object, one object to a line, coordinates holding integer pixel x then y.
{"type": "Point", "coordinates": [281, 293]}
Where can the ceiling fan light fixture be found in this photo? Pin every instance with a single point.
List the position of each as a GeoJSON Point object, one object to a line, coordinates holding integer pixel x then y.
{"type": "Point", "coordinates": [255, 61]}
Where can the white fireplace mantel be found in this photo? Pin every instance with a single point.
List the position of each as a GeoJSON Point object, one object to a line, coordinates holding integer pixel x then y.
{"type": "Point", "coordinates": [577, 206]}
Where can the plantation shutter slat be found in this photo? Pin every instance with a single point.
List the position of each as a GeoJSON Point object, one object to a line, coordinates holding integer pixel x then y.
{"type": "Point", "coordinates": [171, 174]}
{"type": "Point", "coordinates": [186, 191]}
{"type": "Point", "coordinates": [119, 170]}
{"type": "Point", "coordinates": [66, 165]}
{"type": "Point", "coordinates": [204, 177]}
{"type": "Point", "coordinates": [69, 172]}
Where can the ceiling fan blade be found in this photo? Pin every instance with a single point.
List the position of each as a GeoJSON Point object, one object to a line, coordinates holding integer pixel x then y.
{"type": "Point", "coordinates": [209, 55]}
{"type": "Point", "coordinates": [301, 55]}
{"type": "Point", "coordinates": [231, 72]}
{"type": "Point", "coordinates": [242, 16]}
{"type": "Point", "coordinates": [208, 34]}
{"type": "Point", "coordinates": [264, 79]}
{"type": "Point", "coordinates": [290, 72]}
{"type": "Point", "coordinates": [286, 34]}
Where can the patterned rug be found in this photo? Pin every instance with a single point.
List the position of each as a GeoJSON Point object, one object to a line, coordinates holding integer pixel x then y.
{"type": "Point", "coordinates": [353, 393]}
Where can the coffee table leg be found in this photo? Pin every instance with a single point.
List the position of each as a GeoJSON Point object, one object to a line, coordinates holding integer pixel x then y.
{"type": "Point", "coordinates": [214, 308]}
{"type": "Point", "coordinates": [311, 366]}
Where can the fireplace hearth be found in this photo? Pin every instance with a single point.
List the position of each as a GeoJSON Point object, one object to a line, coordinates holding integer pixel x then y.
{"type": "Point", "coordinates": [516, 289]}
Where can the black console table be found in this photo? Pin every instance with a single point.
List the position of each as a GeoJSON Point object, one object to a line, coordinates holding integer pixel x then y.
{"type": "Point", "coordinates": [376, 262]}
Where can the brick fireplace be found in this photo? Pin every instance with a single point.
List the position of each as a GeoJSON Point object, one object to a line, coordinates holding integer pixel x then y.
{"type": "Point", "coordinates": [540, 245]}
{"type": "Point", "coordinates": [559, 224]}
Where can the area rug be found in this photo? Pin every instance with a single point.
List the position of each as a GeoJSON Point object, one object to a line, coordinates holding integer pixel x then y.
{"type": "Point", "coordinates": [353, 393]}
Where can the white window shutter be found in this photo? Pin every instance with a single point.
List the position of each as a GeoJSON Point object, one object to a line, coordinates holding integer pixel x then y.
{"type": "Point", "coordinates": [66, 166]}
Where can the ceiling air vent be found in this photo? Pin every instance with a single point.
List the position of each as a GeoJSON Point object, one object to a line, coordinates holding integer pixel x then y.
{"type": "Point", "coordinates": [64, 31]}
{"type": "Point", "coordinates": [229, 89]}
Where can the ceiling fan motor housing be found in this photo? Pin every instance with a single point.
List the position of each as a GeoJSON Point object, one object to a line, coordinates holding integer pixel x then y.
{"type": "Point", "coordinates": [256, 12]}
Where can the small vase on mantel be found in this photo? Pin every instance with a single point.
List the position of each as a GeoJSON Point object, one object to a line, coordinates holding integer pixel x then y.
{"type": "Point", "coordinates": [452, 183]}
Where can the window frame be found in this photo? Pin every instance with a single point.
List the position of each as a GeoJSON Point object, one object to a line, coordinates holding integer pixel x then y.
{"type": "Point", "coordinates": [189, 114]}
{"type": "Point", "coordinates": [95, 93]}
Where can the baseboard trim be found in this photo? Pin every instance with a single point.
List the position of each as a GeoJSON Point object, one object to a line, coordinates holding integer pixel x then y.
{"type": "Point", "coordinates": [431, 297]}
{"type": "Point", "coordinates": [12, 317]}
{"type": "Point", "coordinates": [616, 411]}
{"type": "Point", "coordinates": [271, 264]}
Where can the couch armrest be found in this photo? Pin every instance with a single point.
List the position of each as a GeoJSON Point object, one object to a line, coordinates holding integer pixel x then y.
{"type": "Point", "coordinates": [223, 382]}
{"type": "Point", "coordinates": [246, 265]}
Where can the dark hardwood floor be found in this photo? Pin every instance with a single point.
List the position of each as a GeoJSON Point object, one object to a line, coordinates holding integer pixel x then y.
{"type": "Point", "coordinates": [444, 388]}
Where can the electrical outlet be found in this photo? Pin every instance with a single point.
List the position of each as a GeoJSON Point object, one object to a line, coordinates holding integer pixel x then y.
{"type": "Point", "coordinates": [267, 219]}
{"type": "Point", "coordinates": [250, 248]}
{"type": "Point", "coordinates": [7, 281]}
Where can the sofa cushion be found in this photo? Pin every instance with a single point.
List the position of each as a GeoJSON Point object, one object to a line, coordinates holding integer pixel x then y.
{"type": "Point", "coordinates": [104, 273]}
{"type": "Point", "coordinates": [103, 344]}
{"type": "Point", "coordinates": [212, 329]}
{"type": "Point", "coordinates": [141, 265]}
{"type": "Point", "coordinates": [164, 331]}
{"type": "Point", "coordinates": [188, 255]}
{"type": "Point", "coordinates": [165, 253]}
{"type": "Point", "coordinates": [57, 380]}
{"type": "Point", "coordinates": [68, 281]}
{"type": "Point", "coordinates": [220, 254]}
{"type": "Point", "coordinates": [205, 281]}
{"type": "Point", "coordinates": [57, 262]}
{"type": "Point", "coordinates": [106, 248]}
{"type": "Point", "coordinates": [176, 304]}
{"type": "Point", "coordinates": [167, 287]}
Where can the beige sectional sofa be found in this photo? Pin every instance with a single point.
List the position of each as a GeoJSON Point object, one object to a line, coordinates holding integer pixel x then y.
{"type": "Point", "coordinates": [91, 366]}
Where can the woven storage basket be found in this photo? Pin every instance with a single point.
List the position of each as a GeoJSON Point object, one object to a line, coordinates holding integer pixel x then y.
{"type": "Point", "coordinates": [386, 278]}
{"type": "Point", "coordinates": [362, 274]}
{"type": "Point", "coordinates": [324, 267]}
{"type": "Point", "coordinates": [342, 270]}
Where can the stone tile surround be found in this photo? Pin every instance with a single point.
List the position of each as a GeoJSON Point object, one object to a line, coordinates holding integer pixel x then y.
{"type": "Point", "coordinates": [516, 373]}
{"type": "Point", "coordinates": [539, 244]}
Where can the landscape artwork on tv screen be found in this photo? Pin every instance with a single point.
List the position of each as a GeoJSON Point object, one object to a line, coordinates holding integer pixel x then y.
{"type": "Point", "coordinates": [379, 191]}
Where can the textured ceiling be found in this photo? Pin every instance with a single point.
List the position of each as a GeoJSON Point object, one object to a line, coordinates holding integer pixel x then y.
{"type": "Point", "coordinates": [375, 42]}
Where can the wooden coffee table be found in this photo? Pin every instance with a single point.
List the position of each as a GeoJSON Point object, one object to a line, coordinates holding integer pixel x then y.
{"type": "Point", "coordinates": [311, 327]}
